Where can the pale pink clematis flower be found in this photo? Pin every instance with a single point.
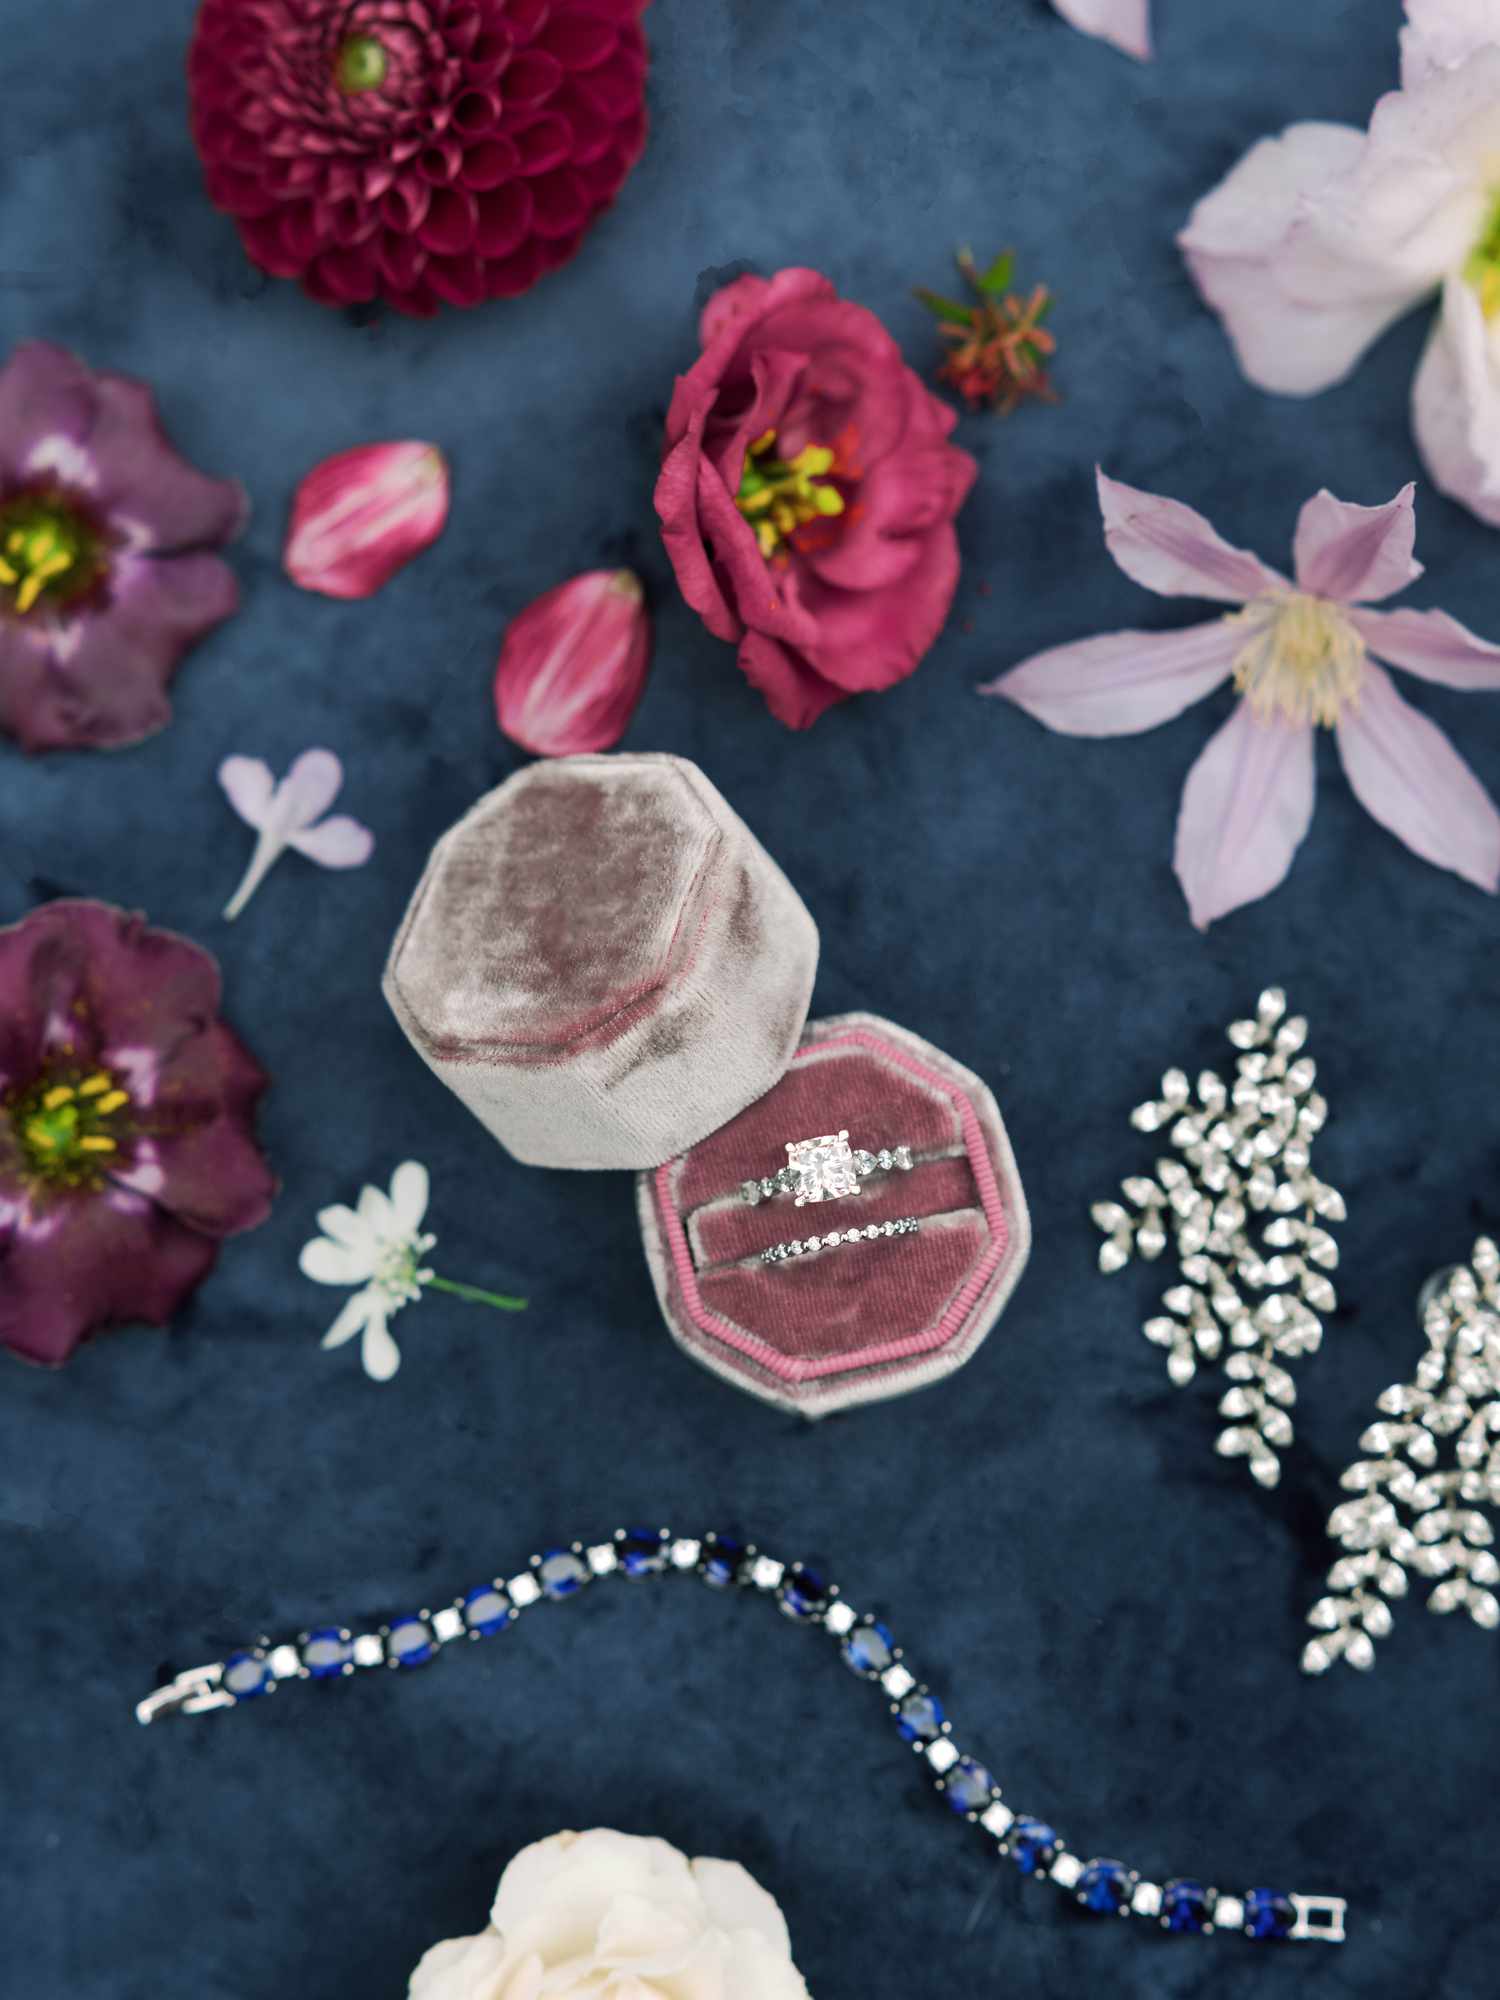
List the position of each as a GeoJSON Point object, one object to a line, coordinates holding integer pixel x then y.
{"type": "Point", "coordinates": [1126, 23]}
{"type": "Point", "coordinates": [1300, 654]}
{"type": "Point", "coordinates": [290, 814]}
{"type": "Point", "coordinates": [1319, 239]}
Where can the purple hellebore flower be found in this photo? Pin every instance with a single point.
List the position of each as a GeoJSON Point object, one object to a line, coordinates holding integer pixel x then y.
{"type": "Point", "coordinates": [1300, 655]}
{"type": "Point", "coordinates": [107, 574]}
{"type": "Point", "coordinates": [290, 814]}
{"type": "Point", "coordinates": [127, 1144]}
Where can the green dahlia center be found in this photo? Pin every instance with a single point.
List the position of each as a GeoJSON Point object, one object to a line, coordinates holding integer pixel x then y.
{"type": "Point", "coordinates": [69, 1127]}
{"type": "Point", "coordinates": [361, 64]}
{"type": "Point", "coordinates": [49, 554]}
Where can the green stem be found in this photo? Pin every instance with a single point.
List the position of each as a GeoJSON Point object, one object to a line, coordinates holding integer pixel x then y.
{"type": "Point", "coordinates": [480, 1298]}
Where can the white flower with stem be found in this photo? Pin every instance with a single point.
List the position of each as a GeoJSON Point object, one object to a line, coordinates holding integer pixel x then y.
{"type": "Point", "coordinates": [380, 1246]}
{"type": "Point", "coordinates": [290, 814]}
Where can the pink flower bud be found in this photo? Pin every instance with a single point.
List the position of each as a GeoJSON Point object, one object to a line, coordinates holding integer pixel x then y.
{"type": "Point", "coordinates": [361, 514]}
{"type": "Point", "coordinates": [573, 665]}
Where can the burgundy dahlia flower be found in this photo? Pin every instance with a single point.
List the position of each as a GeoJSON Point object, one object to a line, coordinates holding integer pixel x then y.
{"type": "Point", "coordinates": [425, 152]}
{"type": "Point", "coordinates": [808, 494]}
{"type": "Point", "coordinates": [127, 1148]}
{"type": "Point", "coordinates": [107, 570]}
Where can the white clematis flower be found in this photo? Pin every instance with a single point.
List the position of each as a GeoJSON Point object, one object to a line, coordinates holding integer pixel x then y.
{"type": "Point", "coordinates": [379, 1246]}
{"type": "Point", "coordinates": [1319, 239]}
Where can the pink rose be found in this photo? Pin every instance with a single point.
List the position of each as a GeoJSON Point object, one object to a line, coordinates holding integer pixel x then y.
{"type": "Point", "coordinates": [808, 493]}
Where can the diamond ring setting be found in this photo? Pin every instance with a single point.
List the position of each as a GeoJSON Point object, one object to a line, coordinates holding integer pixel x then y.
{"type": "Point", "coordinates": [780, 1253]}
{"type": "Point", "coordinates": [825, 1169]}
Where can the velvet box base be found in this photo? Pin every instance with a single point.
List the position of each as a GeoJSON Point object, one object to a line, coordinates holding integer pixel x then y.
{"type": "Point", "coordinates": [866, 1320]}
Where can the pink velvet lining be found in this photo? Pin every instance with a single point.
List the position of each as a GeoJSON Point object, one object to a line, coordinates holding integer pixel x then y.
{"type": "Point", "coordinates": [947, 1238]}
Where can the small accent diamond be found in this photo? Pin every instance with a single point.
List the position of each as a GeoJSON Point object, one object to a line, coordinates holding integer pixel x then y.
{"type": "Point", "coordinates": [523, 1590]}
{"type": "Point", "coordinates": [766, 1573]}
{"type": "Point", "coordinates": [369, 1650]}
{"type": "Point", "coordinates": [1229, 1913]}
{"type": "Point", "coordinates": [942, 1755]}
{"type": "Point", "coordinates": [685, 1554]}
{"type": "Point", "coordinates": [285, 1663]}
{"type": "Point", "coordinates": [448, 1624]}
{"type": "Point", "coordinates": [840, 1619]}
{"type": "Point", "coordinates": [1066, 1870]}
{"type": "Point", "coordinates": [602, 1558]}
{"type": "Point", "coordinates": [897, 1681]}
{"type": "Point", "coordinates": [1146, 1902]}
{"type": "Point", "coordinates": [997, 1819]}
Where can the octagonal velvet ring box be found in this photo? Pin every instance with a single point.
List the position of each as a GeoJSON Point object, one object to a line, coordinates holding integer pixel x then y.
{"type": "Point", "coordinates": [610, 971]}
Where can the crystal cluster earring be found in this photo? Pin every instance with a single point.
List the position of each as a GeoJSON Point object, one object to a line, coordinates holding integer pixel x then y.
{"type": "Point", "coordinates": [1420, 1496]}
{"type": "Point", "coordinates": [1247, 1217]}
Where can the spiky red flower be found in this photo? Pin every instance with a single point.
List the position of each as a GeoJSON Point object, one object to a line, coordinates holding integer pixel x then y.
{"type": "Point", "coordinates": [426, 152]}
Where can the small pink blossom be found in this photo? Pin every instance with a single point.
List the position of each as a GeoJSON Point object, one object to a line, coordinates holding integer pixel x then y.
{"type": "Point", "coordinates": [1126, 23]}
{"type": "Point", "coordinates": [1300, 655]}
{"type": "Point", "coordinates": [1323, 236]}
{"type": "Point", "coordinates": [290, 814]}
{"type": "Point", "coordinates": [363, 514]}
{"type": "Point", "coordinates": [573, 665]}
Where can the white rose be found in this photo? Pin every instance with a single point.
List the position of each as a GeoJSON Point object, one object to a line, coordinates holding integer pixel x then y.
{"type": "Point", "coordinates": [610, 1916]}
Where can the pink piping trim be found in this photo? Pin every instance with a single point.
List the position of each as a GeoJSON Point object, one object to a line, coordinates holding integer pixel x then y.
{"type": "Point", "coordinates": [795, 1368]}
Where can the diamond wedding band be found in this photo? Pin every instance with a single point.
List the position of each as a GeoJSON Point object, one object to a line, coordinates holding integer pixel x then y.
{"type": "Point", "coordinates": [806, 1246]}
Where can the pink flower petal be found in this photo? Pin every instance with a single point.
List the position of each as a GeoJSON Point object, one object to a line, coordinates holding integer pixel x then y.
{"type": "Point", "coordinates": [339, 842]}
{"type": "Point", "coordinates": [309, 788]}
{"type": "Point", "coordinates": [1126, 23]}
{"type": "Point", "coordinates": [573, 665]}
{"type": "Point", "coordinates": [1247, 803]}
{"type": "Point", "coordinates": [1172, 550]}
{"type": "Point", "coordinates": [1456, 405]}
{"type": "Point", "coordinates": [1443, 33]}
{"type": "Point", "coordinates": [363, 514]}
{"type": "Point", "coordinates": [1304, 265]}
{"type": "Point", "coordinates": [1431, 644]}
{"type": "Point", "coordinates": [1123, 682]}
{"type": "Point", "coordinates": [1406, 774]}
{"type": "Point", "coordinates": [249, 786]}
{"type": "Point", "coordinates": [1356, 555]}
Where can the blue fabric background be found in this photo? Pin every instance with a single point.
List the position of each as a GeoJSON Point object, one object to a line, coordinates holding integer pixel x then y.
{"type": "Point", "coordinates": [1113, 1613]}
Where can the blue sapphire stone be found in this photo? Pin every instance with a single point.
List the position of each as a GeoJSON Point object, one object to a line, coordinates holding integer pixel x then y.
{"type": "Point", "coordinates": [968, 1786]}
{"type": "Point", "coordinates": [1033, 1845]}
{"type": "Point", "coordinates": [920, 1717]}
{"type": "Point", "coordinates": [1268, 1915]}
{"type": "Point", "coordinates": [326, 1653]}
{"type": "Point", "coordinates": [246, 1675]}
{"type": "Point", "coordinates": [869, 1649]}
{"type": "Point", "coordinates": [486, 1610]}
{"type": "Point", "coordinates": [720, 1560]}
{"type": "Point", "coordinates": [410, 1643]}
{"type": "Point", "coordinates": [804, 1594]}
{"type": "Point", "coordinates": [642, 1552]}
{"type": "Point", "coordinates": [1184, 1908]}
{"type": "Point", "coordinates": [1104, 1886]}
{"type": "Point", "coordinates": [561, 1573]}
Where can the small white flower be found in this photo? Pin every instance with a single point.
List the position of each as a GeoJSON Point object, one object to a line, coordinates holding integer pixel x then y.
{"type": "Point", "coordinates": [290, 814]}
{"type": "Point", "coordinates": [380, 1246]}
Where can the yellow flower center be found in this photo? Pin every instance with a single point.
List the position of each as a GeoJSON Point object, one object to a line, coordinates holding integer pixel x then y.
{"type": "Point", "coordinates": [69, 1129]}
{"type": "Point", "coordinates": [1303, 661]}
{"type": "Point", "coordinates": [40, 546]}
{"type": "Point", "coordinates": [778, 496]}
{"type": "Point", "coordinates": [361, 64]}
{"type": "Point", "coordinates": [1483, 267]}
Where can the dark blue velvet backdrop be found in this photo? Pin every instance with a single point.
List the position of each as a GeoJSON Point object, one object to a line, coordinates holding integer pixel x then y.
{"type": "Point", "coordinates": [1114, 1614]}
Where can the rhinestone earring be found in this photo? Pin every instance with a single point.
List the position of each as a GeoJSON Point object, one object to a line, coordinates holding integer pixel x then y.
{"type": "Point", "coordinates": [1247, 1218]}
{"type": "Point", "coordinates": [1434, 1465]}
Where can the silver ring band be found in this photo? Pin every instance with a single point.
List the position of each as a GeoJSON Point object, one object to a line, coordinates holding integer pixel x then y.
{"type": "Point", "coordinates": [807, 1246]}
{"type": "Point", "coordinates": [825, 1169]}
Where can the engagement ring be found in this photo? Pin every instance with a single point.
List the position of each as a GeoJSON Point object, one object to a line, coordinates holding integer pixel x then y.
{"type": "Point", "coordinates": [825, 1169]}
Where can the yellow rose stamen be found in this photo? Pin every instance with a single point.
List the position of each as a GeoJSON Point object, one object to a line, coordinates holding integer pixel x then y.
{"type": "Point", "coordinates": [778, 496]}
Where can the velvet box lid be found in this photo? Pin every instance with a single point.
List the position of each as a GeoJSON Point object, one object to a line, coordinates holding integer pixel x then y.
{"type": "Point", "coordinates": [603, 962]}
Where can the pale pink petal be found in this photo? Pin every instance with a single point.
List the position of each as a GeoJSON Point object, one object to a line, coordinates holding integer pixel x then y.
{"type": "Point", "coordinates": [1431, 644]}
{"type": "Point", "coordinates": [1247, 803]}
{"type": "Point", "coordinates": [1443, 33]}
{"type": "Point", "coordinates": [1126, 23]}
{"type": "Point", "coordinates": [339, 842]}
{"type": "Point", "coordinates": [735, 1901]}
{"type": "Point", "coordinates": [249, 787]}
{"type": "Point", "coordinates": [309, 788]}
{"type": "Point", "coordinates": [1456, 404]}
{"type": "Point", "coordinates": [1172, 550]}
{"type": "Point", "coordinates": [1406, 774]}
{"type": "Point", "coordinates": [1356, 555]}
{"type": "Point", "coordinates": [1307, 258]}
{"type": "Point", "coordinates": [1122, 682]}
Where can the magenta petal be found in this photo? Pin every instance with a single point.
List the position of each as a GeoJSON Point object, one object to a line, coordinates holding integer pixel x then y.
{"type": "Point", "coordinates": [573, 665]}
{"type": "Point", "coordinates": [339, 842]}
{"type": "Point", "coordinates": [1356, 555]}
{"type": "Point", "coordinates": [1431, 644]}
{"type": "Point", "coordinates": [1406, 774]}
{"type": "Point", "coordinates": [1122, 682]}
{"type": "Point", "coordinates": [143, 481]}
{"type": "Point", "coordinates": [1172, 550]}
{"type": "Point", "coordinates": [206, 1168]}
{"type": "Point", "coordinates": [88, 1264]}
{"type": "Point", "coordinates": [794, 693]}
{"type": "Point", "coordinates": [361, 515]}
{"type": "Point", "coordinates": [44, 394]}
{"type": "Point", "coordinates": [1247, 803]}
